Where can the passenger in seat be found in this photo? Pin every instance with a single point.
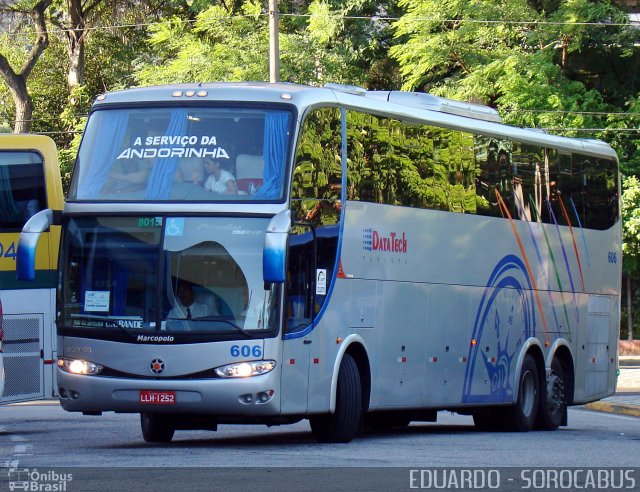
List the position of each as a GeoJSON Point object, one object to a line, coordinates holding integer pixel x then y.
{"type": "Point", "coordinates": [219, 180]}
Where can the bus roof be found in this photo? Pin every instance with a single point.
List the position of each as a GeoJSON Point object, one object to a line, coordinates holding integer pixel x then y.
{"type": "Point", "coordinates": [408, 106]}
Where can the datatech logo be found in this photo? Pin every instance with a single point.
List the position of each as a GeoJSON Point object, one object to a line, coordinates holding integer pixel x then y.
{"type": "Point", "coordinates": [393, 242]}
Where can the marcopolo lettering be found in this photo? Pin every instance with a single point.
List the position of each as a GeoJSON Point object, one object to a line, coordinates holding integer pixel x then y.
{"type": "Point", "coordinates": [392, 243]}
{"type": "Point", "coordinates": [158, 338]}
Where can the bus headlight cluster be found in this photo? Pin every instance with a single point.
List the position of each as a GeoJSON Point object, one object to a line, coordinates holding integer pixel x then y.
{"type": "Point", "coordinates": [245, 369]}
{"type": "Point", "coordinates": [79, 366]}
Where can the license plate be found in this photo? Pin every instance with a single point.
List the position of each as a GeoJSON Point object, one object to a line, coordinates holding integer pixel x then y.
{"type": "Point", "coordinates": [155, 397]}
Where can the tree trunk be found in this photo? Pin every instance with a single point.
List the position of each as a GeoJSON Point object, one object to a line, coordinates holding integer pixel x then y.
{"type": "Point", "coordinates": [17, 81]}
{"type": "Point", "coordinates": [18, 87]}
{"type": "Point", "coordinates": [75, 42]}
{"type": "Point", "coordinates": [24, 109]}
{"type": "Point", "coordinates": [75, 77]}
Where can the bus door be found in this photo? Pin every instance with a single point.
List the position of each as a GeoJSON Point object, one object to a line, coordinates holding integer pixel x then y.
{"type": "Point", "coordinates": [298, 317]}
{"type": "Point", "coordinates": [23, 358]}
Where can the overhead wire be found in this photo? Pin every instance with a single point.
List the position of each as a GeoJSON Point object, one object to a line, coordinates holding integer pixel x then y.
{"type": "Point", "coordinates": [370, 18]}
{"type": "Point", "coordinates": [376, 18]}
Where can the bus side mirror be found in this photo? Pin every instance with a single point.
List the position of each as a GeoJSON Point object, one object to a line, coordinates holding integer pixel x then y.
{"type": "Point", "coordinates": [275, 248]}
{"type": "Point", "coordinates": [28, 242]}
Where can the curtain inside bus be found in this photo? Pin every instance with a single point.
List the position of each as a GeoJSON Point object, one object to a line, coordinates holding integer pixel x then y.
{"type": "Point", "coordinates": [164, 169]}
{"type": "Point", "coordinates": [104, 152]}
{"type": "Point", "coordinates": [276, 124]}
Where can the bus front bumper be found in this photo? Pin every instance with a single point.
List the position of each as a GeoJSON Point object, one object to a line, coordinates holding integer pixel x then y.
{"type": "Point", "coordinates": [238, 397]}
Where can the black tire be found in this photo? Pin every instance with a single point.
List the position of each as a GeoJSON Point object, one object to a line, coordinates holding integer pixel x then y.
{"type": "Point", "coordinates": [156, 428]}
{"type": "Point", "coordinates": [521, 416]}
{"type": "Point", "coordinates": [553, 398]}
{"type": "Point", "coordinates": [345, 422]}
{"type": "Point", "coordinates": [488, 419]}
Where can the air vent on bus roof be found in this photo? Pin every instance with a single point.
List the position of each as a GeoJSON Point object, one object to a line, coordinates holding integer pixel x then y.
{"type": "Point", "coordinates": [350, 89]}
{"type": "Point", "coordinates": [422, 100]}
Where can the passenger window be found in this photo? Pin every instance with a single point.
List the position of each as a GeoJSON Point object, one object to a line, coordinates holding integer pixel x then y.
{"type": "Point", "coordinates": [22, 188]}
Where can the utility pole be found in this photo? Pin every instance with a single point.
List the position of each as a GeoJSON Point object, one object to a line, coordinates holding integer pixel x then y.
{"type": "Point", "coordinates": [274, 49]}
{"type": "Point", "coordinates": [629, 311]}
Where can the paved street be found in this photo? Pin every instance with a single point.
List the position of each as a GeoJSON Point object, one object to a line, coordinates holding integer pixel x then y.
{"type": "Point", "coordinates": [107, 452]}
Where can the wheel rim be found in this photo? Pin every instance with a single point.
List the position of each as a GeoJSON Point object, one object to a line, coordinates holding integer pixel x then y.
{"type": "Point", "coordinates": [555, 393]}
{"type": "Point", "coordinates": [528, 393]}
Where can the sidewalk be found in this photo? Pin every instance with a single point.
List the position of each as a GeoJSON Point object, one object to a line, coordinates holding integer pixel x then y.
{"type": "Point", "coordinates": [626, 400]}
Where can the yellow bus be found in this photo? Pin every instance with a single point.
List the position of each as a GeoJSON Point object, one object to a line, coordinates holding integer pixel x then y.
{"type": "Point", "coordinates": [29, 183]}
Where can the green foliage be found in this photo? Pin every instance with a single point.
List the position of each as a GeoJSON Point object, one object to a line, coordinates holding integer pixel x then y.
{"type": "Point", "coordinates": [213, 48]}
{"type": "Point", "coordinates": [631, 225]}
{"type": "Point", "coordinates": [46, 83]}
{"type": "Point", "coordinates": [317, 45]}
{"type": "Point", "coordinates": [512, 64]}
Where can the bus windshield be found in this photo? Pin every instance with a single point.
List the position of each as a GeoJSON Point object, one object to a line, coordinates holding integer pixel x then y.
{"type": "Point", "coordinates": [192, 275]}
{"type": "Point", "coordinates": [187, 154]}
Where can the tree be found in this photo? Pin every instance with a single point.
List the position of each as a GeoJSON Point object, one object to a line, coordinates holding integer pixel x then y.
{"type": "Point", "coordinates": [212, 47]}
{"type": "Point", "coordinates": [78, 18]}
{"type": "Point", "coordinates": [17, 81]}
{"type": "Point", "coordinates": [631, 241]}
{"type": "Point", "coordinates": [73, 22]}
{"type": "Point", "coordinates": [525, 64]}
{"type": "Point", "coordinates": [230, 42]}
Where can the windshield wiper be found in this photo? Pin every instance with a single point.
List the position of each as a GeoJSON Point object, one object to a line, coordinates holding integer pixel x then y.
{"type": "Point", "coordinates": [225, 321]}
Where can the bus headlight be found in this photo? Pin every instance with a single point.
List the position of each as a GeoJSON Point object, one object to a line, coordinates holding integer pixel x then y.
{"type": "Point", "coordinates": [245, 369]}
{"type": "Point", "coordinates": [79, 366]}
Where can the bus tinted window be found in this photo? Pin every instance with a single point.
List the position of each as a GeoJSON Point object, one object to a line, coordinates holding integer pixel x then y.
{"type": "Point", "coordinates": [190, 154]}
{"type": "Point", "coordinates": [401, 163]}
{"type": "Point", "coordinates": [22, 189]}
{"type": "Point", "coordinates": [315, 203]}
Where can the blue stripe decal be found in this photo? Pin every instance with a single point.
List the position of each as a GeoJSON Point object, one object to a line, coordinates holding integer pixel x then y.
{"type": "Point", "coordinates": [509, 275]}
{"type": "Point", "coordinates": [343, 195]}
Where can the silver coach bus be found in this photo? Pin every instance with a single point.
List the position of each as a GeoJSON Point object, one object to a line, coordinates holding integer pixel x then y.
{"type": "Point", "coordinates": [264, 253]}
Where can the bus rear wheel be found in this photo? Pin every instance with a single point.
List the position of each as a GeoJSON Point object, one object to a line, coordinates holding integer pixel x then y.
{"type": "Point", "coordinates": [345, 422]}
{"type": "Point", "coordinates": [488, 419]}
{"type": "Point", "coordinates": [521, 416]}
{"type": "Point", "coordinates": [553, 401]}
{"type": "Point", "coordinates": [156, 428]}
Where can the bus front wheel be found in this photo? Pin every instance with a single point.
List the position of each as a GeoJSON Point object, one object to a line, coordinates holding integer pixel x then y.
{"type": "Point", "coordinates": [344, 423]}
{"type": "Point", "coordinates": [156, 428]}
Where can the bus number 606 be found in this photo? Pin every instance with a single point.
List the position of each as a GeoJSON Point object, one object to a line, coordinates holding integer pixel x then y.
{"type": "Point", "coordinates": [246, 351]}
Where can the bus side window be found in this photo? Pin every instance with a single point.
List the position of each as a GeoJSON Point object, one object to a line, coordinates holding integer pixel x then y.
{"type": "Point", "coordinates": [300, 279]}
{"type": "Point", "coordinates": [22, 190]}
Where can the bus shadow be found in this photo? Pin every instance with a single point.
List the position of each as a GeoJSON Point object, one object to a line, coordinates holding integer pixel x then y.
{"type": "Point", "coordinates": [289, 438]}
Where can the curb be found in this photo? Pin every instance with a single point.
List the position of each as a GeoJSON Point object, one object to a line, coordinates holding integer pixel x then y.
{"type": "Point", "coordinates": [629, 362]}
{"type": "Point", "coordinates": [619, 408]}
